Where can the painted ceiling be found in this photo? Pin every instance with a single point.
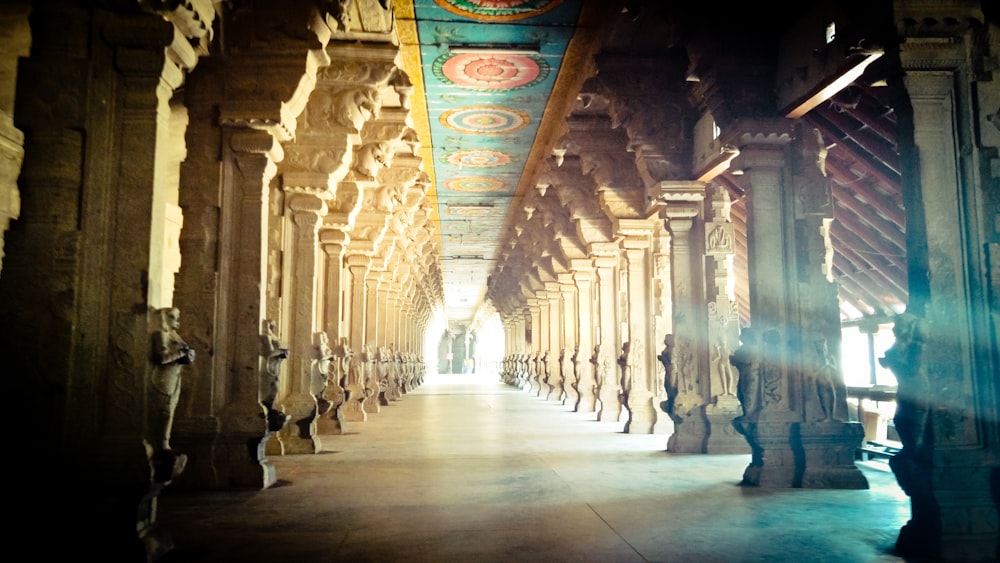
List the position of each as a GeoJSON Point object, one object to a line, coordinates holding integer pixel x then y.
{"type": "Point", "coordinates": [488, 68]}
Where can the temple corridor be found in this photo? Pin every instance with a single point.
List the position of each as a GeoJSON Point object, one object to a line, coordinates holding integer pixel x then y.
{"type": "Point", "coordinates": [466, 468]}
{"type": "Point", "coordinates": [711, 250]}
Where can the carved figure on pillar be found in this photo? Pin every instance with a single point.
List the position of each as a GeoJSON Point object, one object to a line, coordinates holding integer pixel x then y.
{"type": "Point", "coordinates": [746, 359]}
{"type": "Point", "coordinates": [912, 420]}
{"type": "Point", "coordinates": [370, 378]}
{"type": "Point", "coordinates": [670, 376]}
{"type": "Point", "coordinates": [720, 359]}
{"type": "Point", "coordinates": [625, 383]}
{"type": "Point", "coordinates": [825, 374]}
{"type": "Point", "coordinates": [321, 372]}
{"type": "Point", "coordinates": [274, 354]}
{"type": "Point", "coordinates": [568, 379]}
{"type": "Point", "coordinates": [169, 354]}
{"type": "Point", "coordinates": [335, 393]}
{"type": "Point", "coordinates": [543, 372]}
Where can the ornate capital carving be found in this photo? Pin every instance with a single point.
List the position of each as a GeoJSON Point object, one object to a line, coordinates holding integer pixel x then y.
{"type": "Point", "coordinates": [256, 142]}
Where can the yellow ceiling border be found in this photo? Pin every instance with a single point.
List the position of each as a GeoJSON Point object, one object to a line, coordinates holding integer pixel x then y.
{"type": "Point", "coordinates": [409, 49]}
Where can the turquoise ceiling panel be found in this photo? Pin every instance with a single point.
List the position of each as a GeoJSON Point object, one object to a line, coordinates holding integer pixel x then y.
{"type": "Point", "coordinates": [488, 67]}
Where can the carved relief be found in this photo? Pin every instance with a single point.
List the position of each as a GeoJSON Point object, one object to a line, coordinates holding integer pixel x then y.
{"type": "Point", "coordinates": [370, 158]}
{"type": "Point", "coordinates": [169, 354]}
{"type": "Point", "coordinates": [274, 354]}
{"type": "Point", "coordinates": [352, 107]}
{"type": "Point", "coordinates": [719, 239]}
{"type": "Point", "coordinates": [746, 359]}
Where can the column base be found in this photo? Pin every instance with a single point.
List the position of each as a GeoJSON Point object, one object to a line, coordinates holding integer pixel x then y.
{"type": "Point", "coordinates": [826, 454]}
{"type": "Point", "coordinates": [722, 436]}
{"type": "Point", "coordinates": [641, 416]}
{"type": "Point", "coordinates": [299, 435]}
{"type": "Point", "coordinates": [197, 437]}
{"type": "Point", "coordinates": [772, 464]}
{"type": "Point", "coordinates": [240, 450]}
{"type": "Point", "coordinates": [611, 406]}
{"type": "Point", "coordinates": [690, 429]}
{"type": "Point", "coordinates": [587, 402]}
{"type": "Point", "coordinates": [570, 396]}
{"type": "Point", "coordinates": [332, 422]}
{"type": "Point", "coordinates": [353, 411]}
{"type": "Point", "coordinates": [555, 392]}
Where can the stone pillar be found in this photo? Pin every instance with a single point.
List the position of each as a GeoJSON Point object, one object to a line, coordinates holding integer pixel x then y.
{"type": "Point", "coordinates": [826, 440]}
{"type": "Point", "coordinates": [16, 44]}
{"type": "Point", "coordinates": [586, 384]}
{"type": "Point", "coordinates": [663, 322]}
{"type": "Point", "coordinates": [763, 359]}
{"type": "Point", "coordinates": [686, 383]}
{"type": "Point", "coordinates": [606, 343]}
{"type": "Point", "coordinates": [358, 265]}
{"type": "Point", "coordinates": [568, 351]}
{"type": "Point", "coordinates": [373, 306]}
{"type": "Point", "coordinates": [553, 296]}
{"type": "Point", "coordinates": [249, 169]}
{"type": "Point", "coordinates": [723, 326]}
{"type": "Point", "coordinates": [535, 348]}
{"type": "Point", "coordinates": [334, 243]}
{"type": "Point", "coordinates": [544, 344]}
{"type": "Point", "coordinates": [946, 349]}
{"type": "Point", "coordinates": [794, 323]}
{"type": "Point", "coordinates": [298, 399]}
{"type": "Point", "coordinates": [75, 293]}
{"type": "Point", "coordinates": [637, 381]}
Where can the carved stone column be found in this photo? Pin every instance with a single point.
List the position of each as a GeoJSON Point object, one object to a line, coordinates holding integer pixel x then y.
{"type": "Point", "coordinates": [723, 326]}
{"type": "Point", "coordinates": [637, 383]}
{"type": "Point", "coordinates": [11, 155]}
{"type": "Point", "coordinates": [607, 346]}
{"type": "Point", "coordinates": [553, 296]}
{"type": "Point", "coordinates": [570, 327]}
{"type": "Point", "coordinates": [358, 265]}
{"type": "Point", "coordinates": [586, 384]}
{"type": "Point", "coordinates": [764, 359]}
{"type": "Point", "coordinates": [687, 382]}
{"type": "Point", "coordinates": [780, 350]}
{"type": "Point", "coordinates": [372, 306]}
{"type": "Point", "coordinates": [662, 321]}
{"type": "Point", "coordinates": [946, 350]}
{"type": "Point", "coordinates": [535, 348]}
{"type": "Point", "coordinates": [334, 243]}
{"type": "Point", "coordinates": [304, 214]}
{"type": "Point", "coordinates": [17, 44]}
{"type": "Point", "coordinates": [75, 293]}
{"type": "Point", "coordinates": [828, 441]}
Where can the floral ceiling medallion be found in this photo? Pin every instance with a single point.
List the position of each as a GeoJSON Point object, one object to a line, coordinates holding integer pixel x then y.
{"type": "Point", "coordinates": [491, 70]}
{"type": "Point", "coordinates": [483, 158]}
{"type": "Point", "coordinates": [475, 184]}
{"type": "Point", "coordinates": [498, 10]}
{"type": "Point", "coordinates": [485, 120]}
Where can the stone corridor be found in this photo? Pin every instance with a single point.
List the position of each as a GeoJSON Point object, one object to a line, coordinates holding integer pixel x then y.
{"type": "Point", "coordinates": [468, 469]}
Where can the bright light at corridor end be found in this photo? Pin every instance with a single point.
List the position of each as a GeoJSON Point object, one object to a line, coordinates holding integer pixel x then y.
{"type": "Point", "coordinates": [490, 345]}
{"type": "Point", "coordinates": [432, 336]}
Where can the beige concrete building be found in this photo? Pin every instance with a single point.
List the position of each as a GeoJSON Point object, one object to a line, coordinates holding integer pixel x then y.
{"type": "Point", "coordinates": [233, 230]}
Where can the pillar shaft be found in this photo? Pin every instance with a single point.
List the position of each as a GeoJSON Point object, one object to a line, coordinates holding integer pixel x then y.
{"type": "Point", "coordinates": [586, 384]}
{"type": "Point", "coordinates": [304, 216]}
{"type": "Point", "coordinates": [607, 342]}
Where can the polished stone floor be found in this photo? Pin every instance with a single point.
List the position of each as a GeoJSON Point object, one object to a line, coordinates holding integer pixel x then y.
{"type": "Point", "coordinates": [468, 469]}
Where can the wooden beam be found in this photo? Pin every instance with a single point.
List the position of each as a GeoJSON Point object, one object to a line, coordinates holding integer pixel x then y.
{"type": "Point", "coordinates": [891, 231]}
{"type": "Point", "coordinates": [834, 124]}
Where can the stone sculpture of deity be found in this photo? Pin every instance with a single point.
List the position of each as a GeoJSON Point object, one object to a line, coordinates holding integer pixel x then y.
{"type": "Point", "coordinates": [273, 354]}
{"type": "Point", "coordinates": [169, 354]}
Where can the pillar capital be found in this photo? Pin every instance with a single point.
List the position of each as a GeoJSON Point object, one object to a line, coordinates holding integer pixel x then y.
{"type": "Point", "coordinates": [332, 238]}
{"type": "Point", "coordinates": [358, 261]}
{"type": "Point", "coordinates": [303, 202]}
